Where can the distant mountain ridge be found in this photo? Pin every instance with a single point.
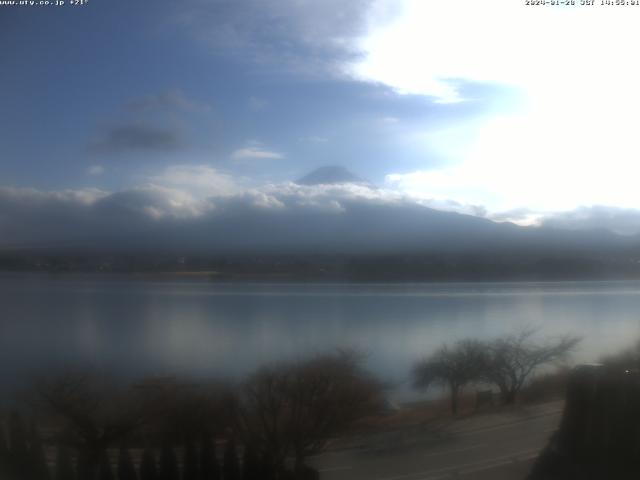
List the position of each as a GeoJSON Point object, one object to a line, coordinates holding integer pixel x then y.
{"type": "Point", "coordinates": [331, 175]}
{"type": "Point", "coordinates": [400, 238]}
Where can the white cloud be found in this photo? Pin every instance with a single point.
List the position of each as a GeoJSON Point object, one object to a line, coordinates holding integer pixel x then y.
{"type": "Point", "coordinates": [199, 180]}
{"type": "Point", "coordinates": [520, 216]}
{"type": "Point", "coordinates": [184, 206]}
{"type": "Point", "coordinates": [95, 170]}
{"type": "Point", "coordinates": [619, 220]}
{"type": "Point", "coordinates": [573, 140]}
{"type": "Point", "coordinates": [432, 44]}
{"type": "Point", "coordinates": [285, 215]}
{"type": "Point", "coordinates": [390, 120]}
{"type": "Point", "coordinates": [255, 153]}
{"type": "Point", "coordinates": [439, 185]}
{"type": "Point", "coordinates": [330, 195]}
{"type": "Point", "coordinates": [154, 202]}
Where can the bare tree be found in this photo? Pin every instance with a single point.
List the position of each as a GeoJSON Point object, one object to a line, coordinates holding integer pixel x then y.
{"type": "Point", "coordinates": [104, 470]}
{"type": "Point", "coordinates": [209, 466]}
{"type": "Point", "coordinates": [511, 360]}
{"type": "Point", "coordinates": [168, 462]}
{"type": "Point", "coordinates": [454, 367]}
{"type": "Point", "coordinates": [327, 394]}
{"type": "Point", "coordinates": [37, 456]}
{"type": "Point", "coordinates": [190, 461]}
{"type": "Point", "coordinates": [92, 414]}
{"type": "Point", "coordinates": [230, 463]}
{"type": "Point", "coordinates": [188, 410]}
{"type": "Point", "coordinates": [126, 468]}
{"type": "Point", "coordinates": [18, 445]}
{"type": "Point", "coordinates": [261, 412]}
{"type": "Point", "coordinates": [148, 467]}
{"type": "Point", "coordinates": [293, 410]}
{"type": "Point", "coordinates": [4, 453]}
{"type": "Point", "coordinates": [64, 466]}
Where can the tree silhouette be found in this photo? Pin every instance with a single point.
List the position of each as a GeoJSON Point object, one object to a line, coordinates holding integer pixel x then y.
{"type": "Point", "coordinates": [292, 410]}
{"type": "Point", "coordinates": [251, 468]}
{"type": "Point", "coordinates": [4, 453]}
{"type": "Point", "coordinates": [95, 412]}
{"type": "Point", "coordinates": [18, 447]}
{"type": "Point", "coordinates": [104, 471]}
{"type": "Point", "coordinates": [87, 466]}
{"type": "Point", "coordinates": [230, 466]}
{"type": "Point", "coordinates": [64, 468]}
{"type": "Point", "coordinates": [267, 467]}
{"type": "Point", "coordinates": [37, 458]}
{"type": "Point", "coordinates": [148, 468]}
{"type": "Point", "coordinates": [454, 367]}
{"type": "Point", "coordinates": [126, 469]}
{"type": "Point", "coordinates": [168, 463]}
{"type": "Point", "coordinates": [190, 461]}
{"type": "Point", "coordinates": [511, 360]}
{"type": "Point", "coordinates": [190, 410]}
{"type": "Point", "coordinates": [209, 465]}
{"type": "Point", "coordinates": [327, 394]}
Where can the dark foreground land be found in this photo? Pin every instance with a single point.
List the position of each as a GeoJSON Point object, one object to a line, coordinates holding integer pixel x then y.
{"type": "Point", "coordinates": [593, 435]}
{"type": "Point", "coordinates": [498, 445]}
{"type": "Point", "coordinates": [290, 424]}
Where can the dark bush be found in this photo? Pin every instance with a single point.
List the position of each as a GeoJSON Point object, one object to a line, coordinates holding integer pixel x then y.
{"type": "Point", "coordinates": [126, 469]}
{"type": "Point", "coordinates": [230, 465]}
{"type": "Point", "coordinates": [148, 468]}
{"type": "Point", "coordinates": [168, 463]}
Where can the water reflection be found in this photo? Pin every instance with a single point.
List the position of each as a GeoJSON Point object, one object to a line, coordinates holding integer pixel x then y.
{"type": "Point", "coordinates": [140, 326]}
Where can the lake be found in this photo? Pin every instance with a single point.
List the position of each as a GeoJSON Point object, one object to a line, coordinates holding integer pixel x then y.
{"type": "Point", "coordinates": [135, 326]}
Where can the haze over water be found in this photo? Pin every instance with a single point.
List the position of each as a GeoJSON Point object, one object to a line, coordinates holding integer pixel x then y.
{"type": "Point", "coordinates": [134, 326]}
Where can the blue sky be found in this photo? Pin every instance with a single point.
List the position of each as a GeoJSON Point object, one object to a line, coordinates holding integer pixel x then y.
{"type": "Point", "coordinates": [76, 77]}
{"type": "Point", "coordinates": [494, 109]}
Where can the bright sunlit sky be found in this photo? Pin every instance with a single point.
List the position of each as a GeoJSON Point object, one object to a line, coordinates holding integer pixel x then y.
{"type": "Point", "coordinates": [520, 112]}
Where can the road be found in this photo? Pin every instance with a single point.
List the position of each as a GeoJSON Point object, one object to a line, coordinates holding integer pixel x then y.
{"type": "Point", "coordinates": [499, 446]}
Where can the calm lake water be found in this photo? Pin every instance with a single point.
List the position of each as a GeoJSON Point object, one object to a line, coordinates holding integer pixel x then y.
{"type": "Point", "coordinates": [135, 326]}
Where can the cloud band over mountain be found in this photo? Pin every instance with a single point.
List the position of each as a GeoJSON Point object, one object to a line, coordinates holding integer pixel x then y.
{"type": "Point", "coordinates": [197, 209]}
